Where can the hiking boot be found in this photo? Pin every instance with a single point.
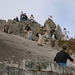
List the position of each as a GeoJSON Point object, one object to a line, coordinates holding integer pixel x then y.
{"type": "Point", "coordinates": [40, 44]}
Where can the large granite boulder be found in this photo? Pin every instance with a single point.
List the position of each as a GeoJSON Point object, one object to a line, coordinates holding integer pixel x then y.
{"type": "Point", "coordinates": [19, 27]}
{"type": "Point", "coordinates": [59, 32]}
{"type": "Point", "coordinates": [49, 24]}
{"type": "Point", "coordinates": [2, 23]}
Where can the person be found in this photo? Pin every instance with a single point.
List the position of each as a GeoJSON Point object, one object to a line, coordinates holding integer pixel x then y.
{"type": "Point", "coordinates": [16, 19]}
{"type": "Point", "coordinates": [45, 36]}
{"type": "Point", "coordinates": [32, 19]}
{"type": "Point", "coordinates": [62, 56]}
{"type": "Point", "coordinates": [27, 28]}
{"type": "Point", "coordinates": [21, 16]}
{"type": "Point", "coordinates": [49, 17]}
{"type": "Point", "coordinates": [29, 34]}
{"type": "Point", "coordinates": [37, 34]}
{"type": "Point", "coordinates": [40, 33]}
{"type": "Point", "coordinates": [25, 17]}
{"type": "Point", "coordinates": [6, 27]}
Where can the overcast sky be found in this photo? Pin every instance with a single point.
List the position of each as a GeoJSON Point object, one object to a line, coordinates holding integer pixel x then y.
{"type": "Point", "coordinates": [63, 11]}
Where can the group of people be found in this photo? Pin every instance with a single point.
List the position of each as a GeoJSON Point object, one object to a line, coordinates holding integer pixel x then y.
{"type": "Point", "coordinates": [61, 57]}
{"type": "Point", "coordinates": [24, 17]}
{"type": "Point", "coordinates": [42, 35]}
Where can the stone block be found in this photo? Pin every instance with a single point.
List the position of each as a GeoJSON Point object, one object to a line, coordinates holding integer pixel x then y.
{"type": "Point", "coordinates": [56, 68]}
{"type": "Point", "coordinates": [30, 73]}
{"type": "Point", "coordinates": [67, 70]}
{"type": "Point", "coordinates": [15, 27]}
{"type": "Point", "coordinates": [46, 66]}
{"type": "Point", "coordinates": [2, 23]}
{"type": "Point", "coordinates": [19, 27]}
{"type": "Point", "coordinates": [1, 73]}
{"type": "Point", "coordinates": [73, 72]}
{"type": "Point", "coordinates": [31, 65]}
{"type": "Point", "coordinates": [49, 73]}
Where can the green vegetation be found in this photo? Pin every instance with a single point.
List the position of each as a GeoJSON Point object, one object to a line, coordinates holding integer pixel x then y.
{"type": "Point", "coordinates": [70, 43]}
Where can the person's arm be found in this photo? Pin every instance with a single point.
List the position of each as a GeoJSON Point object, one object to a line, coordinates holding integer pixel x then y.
{"type": "Point", "coordinates": [55, 58]}
{"type": "Point", "coordinates": [69, 57]}
{"type": "Point", "coordinates": [74, 61]}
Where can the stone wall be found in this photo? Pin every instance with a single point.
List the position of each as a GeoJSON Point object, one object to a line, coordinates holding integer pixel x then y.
{"type": "Point", "coordinates": [29, 67]}
{"type": "Point", "coordinates": [18, 27]}
{"type": "Point", "coordinates": [2, 23]}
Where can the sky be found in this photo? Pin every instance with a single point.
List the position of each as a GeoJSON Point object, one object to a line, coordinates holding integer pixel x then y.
{"type": "Point", "coordinates": [62, 11]}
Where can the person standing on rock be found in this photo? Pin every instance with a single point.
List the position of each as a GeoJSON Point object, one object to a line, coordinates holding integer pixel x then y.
{"type": "Point", "coordinates": [62, 56]}
{"type": "Point", "coordinates": [6, 27]}
{"type": "Point", "coordinates": [40, 34]}
{"type": "Point", "coordinates": [27, 28]}
{"type": "Point", "coordinates": [30, 34]}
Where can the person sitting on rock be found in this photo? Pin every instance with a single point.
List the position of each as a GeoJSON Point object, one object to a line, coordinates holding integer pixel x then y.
{"type": "Point", "coordinates": [21, 16]}
{"type": "Point", "coordinates": [49, 17]}
{"type": "Point", "coordinates": [62, 56]}
{"type": "Point", "coordinates": [16, 19]}
{"type": "Point", "coordinates": [25, 17]}
{"type": "Point", "coordinates": [32, 18]}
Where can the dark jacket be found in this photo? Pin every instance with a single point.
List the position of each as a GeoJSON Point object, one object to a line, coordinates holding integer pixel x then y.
{"type": "Point", "coordinates": [40, 30]}
{"type": "Point", "coordinates": [62, 56]}
{"type": "Point", "coordinates": [27, 28]}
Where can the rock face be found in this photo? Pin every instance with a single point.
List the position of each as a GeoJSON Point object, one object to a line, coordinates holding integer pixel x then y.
{"type": "Point", "coordinates": [35, 68]}
{"type": "Point", "coordinates": [19, 27]}
{"type": "Point", "coordinates": [16, 48]}
{"type": "Point", "coordinates": [50, 24]}
{"type": "Point", "coordinates": [59, 32]}
{"type": "Point", "coordinates": [2, 23]}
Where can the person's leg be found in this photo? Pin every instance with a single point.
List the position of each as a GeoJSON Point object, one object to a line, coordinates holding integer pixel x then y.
{"type": "Point", "coordinates": [30, 36]}
{"type": "Point", "coordinates": [26, 35]}
{"type": "Point", "coordinates": [39, 40]}
{"type": "Point", "coordinates": [42, 39]}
